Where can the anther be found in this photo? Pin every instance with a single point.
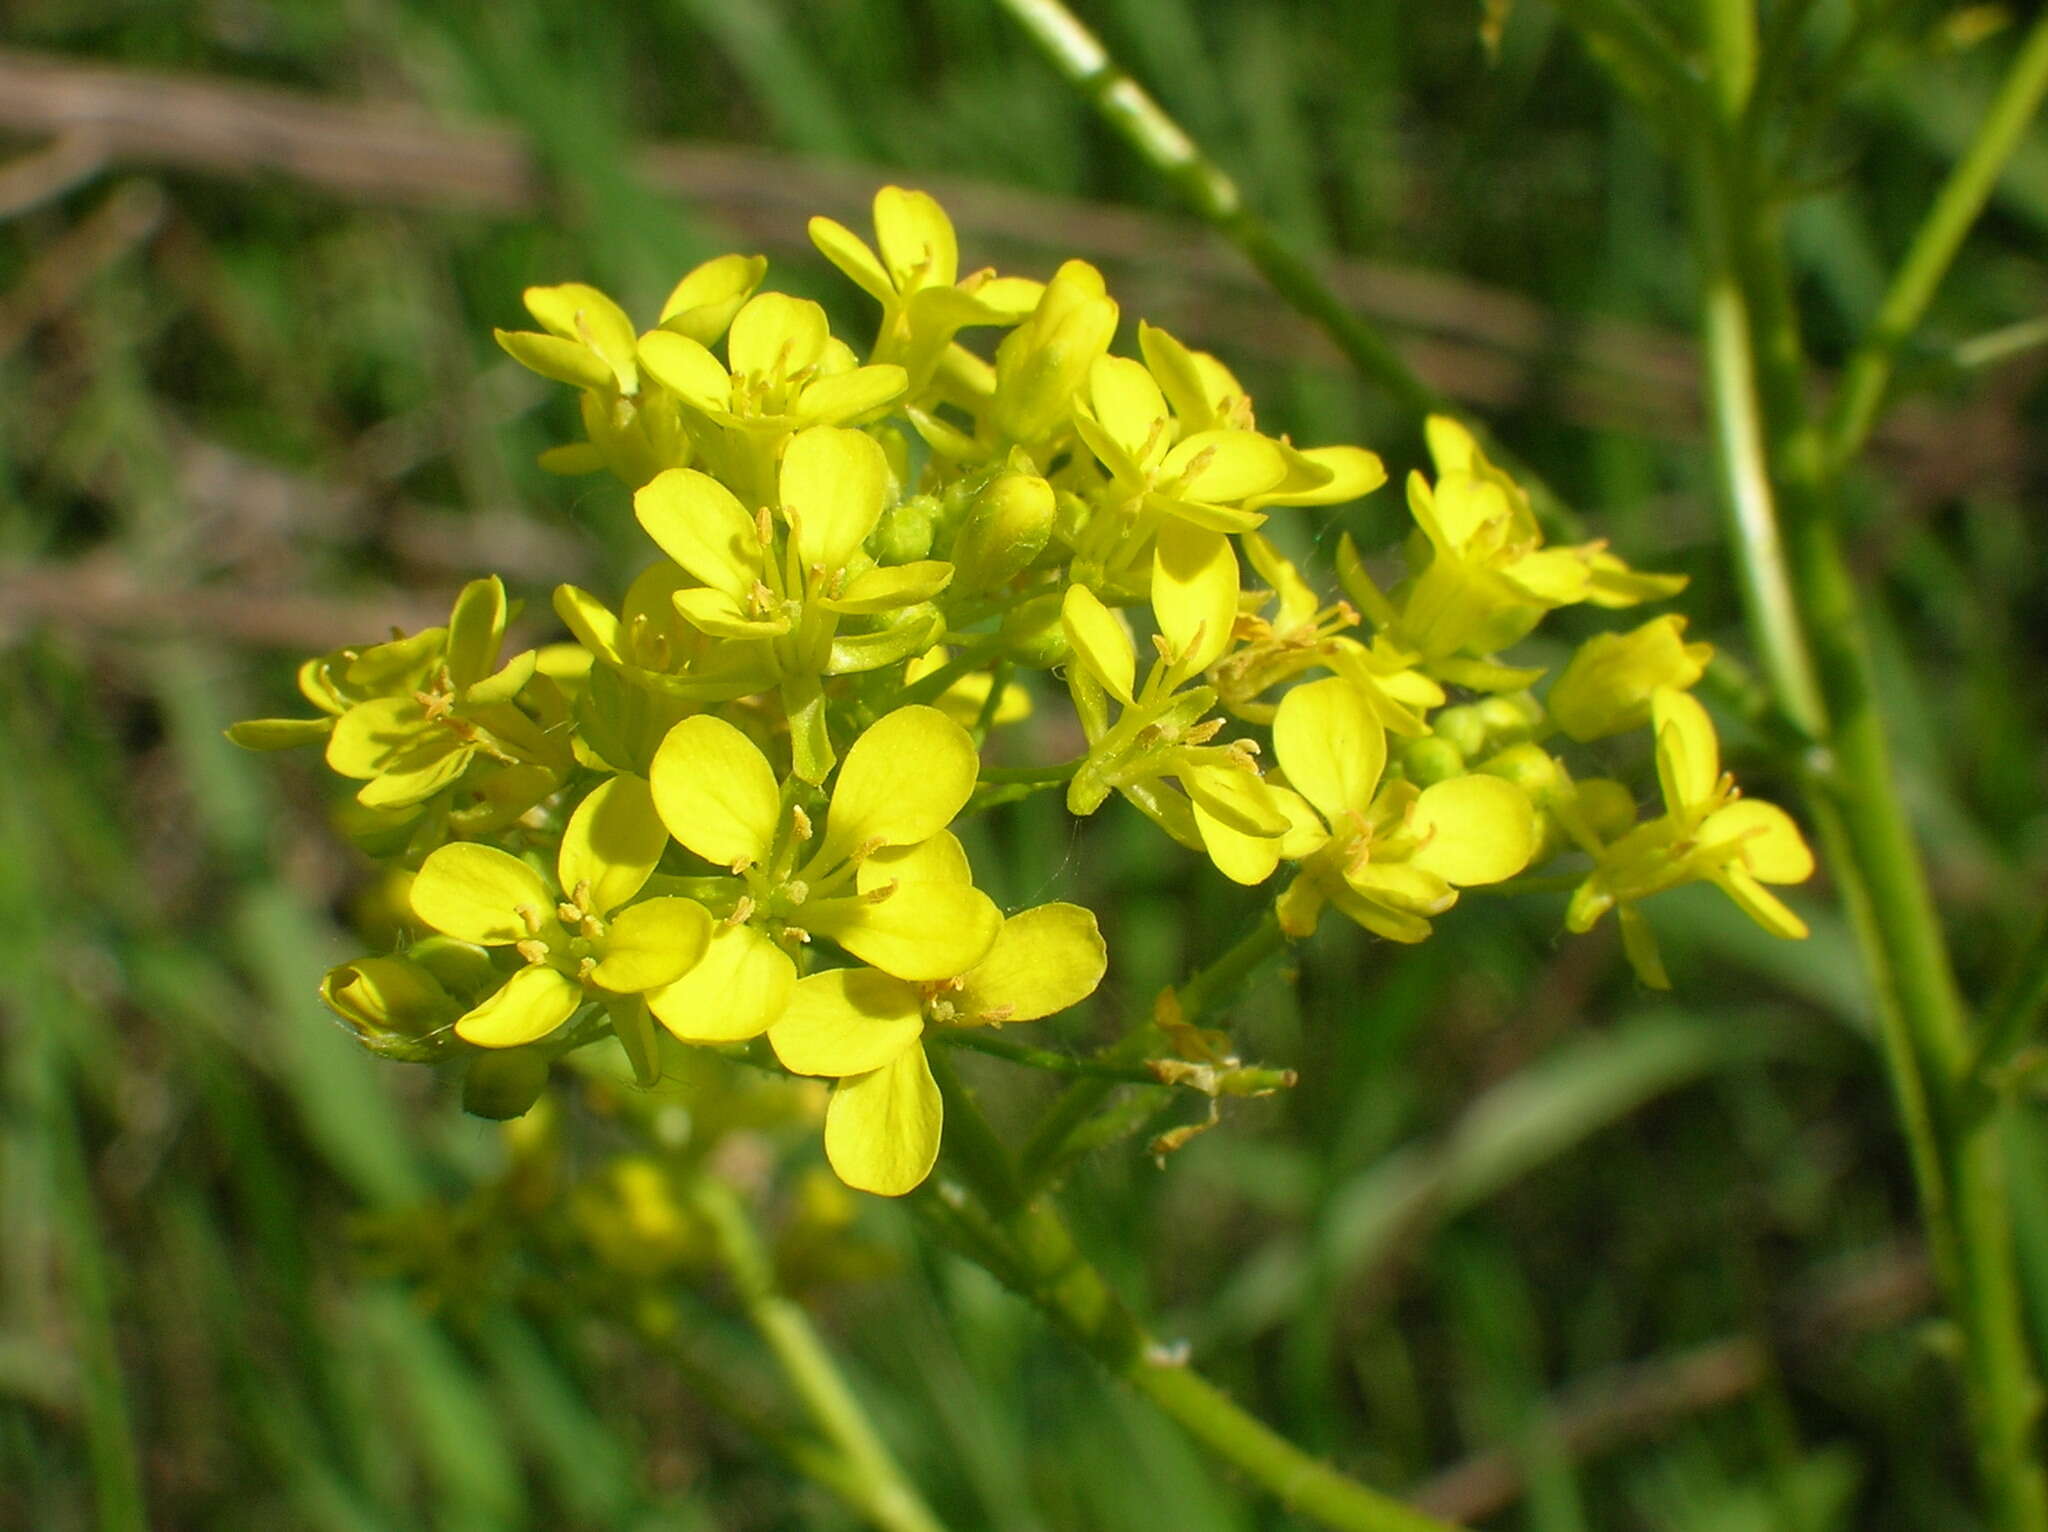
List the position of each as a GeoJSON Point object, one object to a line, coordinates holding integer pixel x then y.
{"type": "Point", "coordinates": [530, 917]}
{"type": "Point", "coordinates": [533, 951]}
{"type": "Point", "coordinates": [800, 822]}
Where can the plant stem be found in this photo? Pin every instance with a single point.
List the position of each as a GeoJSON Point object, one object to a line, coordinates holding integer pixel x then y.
{"type": "Point", "coordinates": [1051, 1272]}
{"type": "Point", "coordinates": [1213, 195]}
{"type": "Point", "coordinates": [1807, 621]}
{"type": "Point", "coordinates": [1045, 1150]}
{"type": "Point", "coordinates": [1933, 250]}
{"type": "Point", "coordinates": [2013, 1015]}
{"type": "Point", "coordinates": [875, 1483]}
{"type": "Point", "coordinates": [1630, 34]}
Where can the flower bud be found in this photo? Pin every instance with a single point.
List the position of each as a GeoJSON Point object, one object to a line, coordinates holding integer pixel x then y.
{"type": "Point", "coordinates": [1606, 688]}
{"type": "Point", "coordinates": [1508, 721]}
{"type": "Point", "coordinates": [1528, 766]}
{"type": "Point", "coordinates": [1432, 759]}
{"type": "Point", "coordinates": [391, 1003]}
{"type": "Point", "coordinates": [502, 1083]}
{"type": "Point", "coordinates": [1607, 808]}
{"type": "Point", "coordinates": [904, 534]}
{"type": "Point", "coordinates": [1033, 634]}
{"type": "Point", "coordinates": [1463, 727]}
{"type": "Point", "coordinates": [1006, 528]}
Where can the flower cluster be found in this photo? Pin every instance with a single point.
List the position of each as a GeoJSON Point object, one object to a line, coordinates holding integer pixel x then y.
{"type": "Point", "coordinates": [723, 811]}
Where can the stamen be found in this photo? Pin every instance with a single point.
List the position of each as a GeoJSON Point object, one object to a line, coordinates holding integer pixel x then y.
{"type": "Point", "coordinates": [741, 911]}
{"type": "Point", "coordinates": [533, 951]}
{"type": "Point", "coordinates": [800, 822]}
{"type": "Point", "coordinates": [530, 917]}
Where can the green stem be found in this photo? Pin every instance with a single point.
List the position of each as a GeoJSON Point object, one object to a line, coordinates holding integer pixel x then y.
{"type": "Point", "coordinates": [1933, 250]}
{"type": "Point", "coordinates": [1051, 1272]}
{"type": "Point", "coordinates": [2016, 1011]}
{"type": "Point", "coordinates": [1631, 35]}
{"type": "Point", "coordinates": [1056, 771]}
{"type": "Point", "coordinates": [875, 1483]}
{"type": "Point", "coordinates": [1213, 195]}
{"type": "Point", "coordinates": [1046, 1059]}
{"type": "Point", "coordinates": [1046, 1149]}
{"type": "Point", "coordinates": [1807, 621]}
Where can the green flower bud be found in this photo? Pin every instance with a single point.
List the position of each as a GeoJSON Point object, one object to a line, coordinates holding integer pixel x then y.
{"type": "Point", "coordinates": [1607, 686]}
{"type": "Point", "coordinates": [1431, 759]}
{"type": "Point", "coordinates": [1506, 721]}
{"type": "Point", "coordinates": [1463, 727]}
{"type": "Point", "coordinates": [1006, 528]}
{"type": "Point", "coordinates": [1607, 808]}
{"type": "Point", "coordinates": [503, 1083]}
{"type": "Point", "coordinates": [390, 1003]}
{"type": "Point", "coordinates": [1033, 634]}
{"type": "Point", "coordinates": [904, 534]}
{"type": "Point", "coordinates": [1528, 766]}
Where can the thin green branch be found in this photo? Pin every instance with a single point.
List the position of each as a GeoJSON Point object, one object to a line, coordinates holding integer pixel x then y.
{"type": "Point", "coordinates": [1051, 1272]}
{"type": "Point", "coordinates": [1630, 36]}
{"type": "Point", "coordinates": [2013, 1016]}
{"type": "Point", "coordinates": [1934, 246]}
{"type": "Point", "coordinates": [1210, 191]}
{"type": "Point", "coordinates": [874, 1482]}
{"type": "Point", "coordinates": [1807, 619]}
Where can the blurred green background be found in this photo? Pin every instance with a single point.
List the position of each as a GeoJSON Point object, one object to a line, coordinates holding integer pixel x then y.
{"type": "Point", "coordinates": [1527, 1242]}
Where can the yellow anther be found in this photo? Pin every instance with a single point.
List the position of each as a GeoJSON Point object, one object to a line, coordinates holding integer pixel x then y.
{"type": "Point", "coordinates": [533, 951]}
{"type": "Point", "coordinates": [584, 967]}
{"type": "Point", "coordinates": [878, 894]}
{"type": "Point", "coordinates": [796, 891]}
{"type": "Point", "coordinates": [741, 911]}
{"type": "Point", "coordinates": [530, 917]}
{"type": "Point", "coordinates": [764, 526]}
{"type": "Point", "coordinates": [567, 913]}
{"type": "Point", "coordinates": [800, 822]}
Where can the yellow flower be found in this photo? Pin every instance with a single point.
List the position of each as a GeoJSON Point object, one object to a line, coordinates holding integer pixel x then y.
{"type": "Point", "coordinates": [916, 278]}
{"type": "Point", "coordinates": [1606, 689]}
{"type": "Point", "coordinates": [900, 784]}
{"type": "Point", "coordinates": [576, 940]}
{"type": "Point", "coordinates": [1222, 805]}
{"type": "Point", "coordinates": [865, 1029]}
{"type": "Point", "coordinates": [1708, 831]}
{"type": "Point", "coordinates": [1388, 857]}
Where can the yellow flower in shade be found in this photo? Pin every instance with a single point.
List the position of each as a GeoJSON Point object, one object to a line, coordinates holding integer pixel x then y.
{"type": "Point", "coordinates": [579, 941]}
{"type": "Point", "coordinates": [1707, 831]}
{"type": "Point", "coordinates": [916, 278]}
{"type": "Point", "coordinates": [1389, 857]}
{"type": "Point", "coordinates": [900, 784]}
{"type": "Point", "coordinates": [424, 725]}
{"type": "Point", "coordinates": [1222, 805]}
{"type": "Point", "coordinates": [865, 1028]}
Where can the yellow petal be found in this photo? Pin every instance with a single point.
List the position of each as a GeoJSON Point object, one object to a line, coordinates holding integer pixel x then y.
{"type": "Point", "coordinates": [652, 944]}
{"type": "Point", "coordinates": [1099, 641]}
{"type": "Point", "coordinates": [475, 630]}
{"type": "Point", "coordinates": [714, 790]}
{"type": "Point", "coordinates": [530, 1005]}
{"type": "Point", "coordinates": [1130, 409]}
{"type": "Point", "coordinates": [478, 893]}
{"type": "Point", "coordinates": [594, 624]}
{"type": "Point", "coordinates": [846, 1022]}
{"type": "Point", "coordinates": [1451, 446]}
{"type": "Point", "coordinates": [417, 772]}
{"type": "Point", "coordinates": [581, 313]}
{"type": "Point", "coordinates": [1760, 904]}
{"type": "Point", "coordinates": [916, 239]}
{"type": "Point", "coordinates": [776, 335]}
{"type": "Point", "coordinates": [849, 396]}
{"type": "Point", "coordinates": [696, 521]}
{"type": "Point", "coordinates": [1043, 961]}
{"type": "Point", "coordinates": [552, 357]}
{"type": "Point", "coordinates": [884, 588]}
{"type": "Point", "coordinates": [901, 782]}
{"type": "Point", "coordinates": [1224, 466]}
{"type": "Point", "coordinates": [850, 253]}
{"type": "Point", "coordinates": [1688, 754]}
{"type": "Point", "coordinates": [1194, 594]}
{"type": "Point", "coordinates": [371, 733]}
{"type": "Point", "coordinates": [611, 843]}
{"type": "Point", "coordinates": [279, 733]}
{"type": "Point", "coordinates": [737, 990]}
{"type": "Point", "coordinates": [704, 302]}
{"type": "Point", "coordinates": [882, 1129]}
{"type": "Point", "coordinates": [687, 369]}
{"type": "Point", "coordinates": [1238, 796]}
{"type": "Point", "coordinates": [1476, 829]}
{"type": "Point", "coordinates": [834, 483]}
{"type": "Point", "coordinates": [919, 931]}
{"type": "Point", "coordinates": [1242, 858]}
{"type": "Point", "coordinates": [1331, 745]}
{"type": "Point", "coordinates": [722, 616]}
{"type": "Point", "coordinates": [1773, 850]}
{"type": "Point", "coordinates": [942, 859]}
{"type": "Point", "coordinates": [1323, 476]}
{"type": "Point", "coordinates": [1402, 886]}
